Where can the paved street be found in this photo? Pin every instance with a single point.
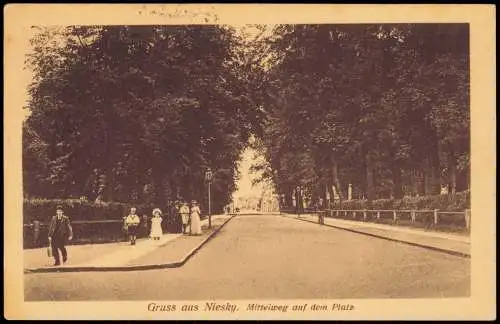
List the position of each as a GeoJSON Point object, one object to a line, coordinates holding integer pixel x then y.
{"type": "Point", "coordinates": [273, 257]}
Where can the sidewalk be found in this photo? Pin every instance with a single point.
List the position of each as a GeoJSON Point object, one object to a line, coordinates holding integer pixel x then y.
{"type": "Point", "coordinates": [444, 242]}
{"type": "Point", "coordinates": [172, 250]}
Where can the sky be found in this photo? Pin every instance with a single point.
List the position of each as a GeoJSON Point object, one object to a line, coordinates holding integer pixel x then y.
{"type": "Point", "coordinates": [244, 184]}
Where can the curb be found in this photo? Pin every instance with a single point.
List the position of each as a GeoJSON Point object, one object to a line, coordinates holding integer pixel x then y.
{"type": "Point", "coordinates": [175, 264]}
{"type": "Point", "coordinates": [429, 247]}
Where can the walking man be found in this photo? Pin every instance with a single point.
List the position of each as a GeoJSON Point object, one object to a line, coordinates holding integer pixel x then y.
{"type": "Point", "coordinates": [60, 231]}
{"type": "Point", "coordinates": [184, 211]}
{"type": "Point", "coordinates": [132, 222]}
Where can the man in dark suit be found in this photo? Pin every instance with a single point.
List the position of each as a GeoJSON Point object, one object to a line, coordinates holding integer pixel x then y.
{"type": "Point", "coordinates": [60, 231]}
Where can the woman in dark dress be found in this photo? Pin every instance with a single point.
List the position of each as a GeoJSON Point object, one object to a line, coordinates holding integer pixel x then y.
{"type": "Point", "coordinates": [175, 218]}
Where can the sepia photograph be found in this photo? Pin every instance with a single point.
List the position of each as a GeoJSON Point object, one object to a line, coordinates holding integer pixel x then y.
{"type": "Point", "coordinates": [212, 169]}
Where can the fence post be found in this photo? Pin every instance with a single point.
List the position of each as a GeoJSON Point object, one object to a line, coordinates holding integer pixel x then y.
{"type": "Point", "coordinates": [378, 215]}
{"type": "Point", "coordinates": [337, 213]}
{"type": "Point", "coordinates": [364, 214]}
{"type": "Point", "coordinates": [353, 214]}
{"type": "Point", "coordinates": [412, 213]}
{"type": "Point", "coordinates": [435, 216]}
{"type": "Point", "coordinates": [345, 213]}
{"type": "Point", "coordinates": [467, 218]}
{"type": "Point", "coordinates": [394, 215]}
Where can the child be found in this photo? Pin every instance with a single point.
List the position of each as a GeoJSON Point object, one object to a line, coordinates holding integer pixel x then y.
{"type": "Point", "coordinates": [132, 221]}
{"type": "Point", "coordinates": [156, 230]}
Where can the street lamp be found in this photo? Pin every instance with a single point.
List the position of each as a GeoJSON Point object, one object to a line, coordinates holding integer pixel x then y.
{"type": "Point", "coordinates": [208, 178]}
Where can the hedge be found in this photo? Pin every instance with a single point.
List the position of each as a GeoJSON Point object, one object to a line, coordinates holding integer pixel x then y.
{"type": "Point", "coordinates": [78, 210]}
{"type": "Point", "coordinates": [459, 202]}
{"type": "Point", "coordinates": [82, 210]}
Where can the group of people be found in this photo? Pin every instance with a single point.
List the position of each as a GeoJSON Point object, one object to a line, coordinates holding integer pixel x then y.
{"type": "Point", "coordinates": [189, 216]}
{"type": "Point", "coordinates": [60, 230]}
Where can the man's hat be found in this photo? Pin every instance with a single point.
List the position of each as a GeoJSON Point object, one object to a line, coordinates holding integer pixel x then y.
{"type": "Point", "coordinates": [59, 207]}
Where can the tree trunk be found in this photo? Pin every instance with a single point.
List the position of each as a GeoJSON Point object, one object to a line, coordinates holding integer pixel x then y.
{"type": "Point", "coordinates": [336, 180]}
{"type": "Point", "coordinates": [323, 195]}
{"type": "Point", "coordinates": [432, 172]}
{"type": "Point", "coordinates": [452, 168]}
{"type": "Point", "coordinates": [288, 199]}
{"type": "Point", "coordinates": [109, 190]}
{"type": "Point", "coordinates": [336, 183]}
{"type": "Point", "coordinates": [296, 194]}
{"type": "Point", "coordinates": [397, 181]}
{"type": "Point", "coordinates": [370, 187]}
{"type": "Point", "coordinates": [301, 201]}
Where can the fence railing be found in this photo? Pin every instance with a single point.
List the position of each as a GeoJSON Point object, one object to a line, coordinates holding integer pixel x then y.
{"type": "Point", "coordinates": [413, 215]}
{"type": "Point", "coordinates": [432, 216]}
{"type": "Point", "coordinates": [107, 230]}
{"type": "Point", "coordinates": [303, 211]}
{"type": "Point", "coordinates": [104, 230]}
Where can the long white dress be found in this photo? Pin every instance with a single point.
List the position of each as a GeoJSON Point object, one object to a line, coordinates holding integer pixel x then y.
{"type": "Point", "coordinates": [184, 211]}
{"type": "Point", "coordinates": [195, 220]}
{"type": "Point", "coordinates": [156, 230]}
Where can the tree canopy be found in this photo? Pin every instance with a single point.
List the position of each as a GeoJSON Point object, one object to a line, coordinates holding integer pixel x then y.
{"type": "Point", "coordinates": [138, 113]}
{"type": "Point", "coordinates": [382, 107]}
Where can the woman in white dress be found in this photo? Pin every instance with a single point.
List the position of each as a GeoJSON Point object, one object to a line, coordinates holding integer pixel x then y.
{"type": "Point", "coordinates": [156, 230]}
{"type": "Point", "coordinates": [195, 219]}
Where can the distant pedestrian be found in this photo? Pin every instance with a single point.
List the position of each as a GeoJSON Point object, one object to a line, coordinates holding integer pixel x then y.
{"type": "Point", "coordinates": [195, 218]}
{"type": "Point", "coordinates": [132, 222]}
{"type": "Point", "coordinates": [156, 230]}
{"type": "Point", "coordinates": [60, 231]}
{"type": "Point", "coordinates": [184, 211]}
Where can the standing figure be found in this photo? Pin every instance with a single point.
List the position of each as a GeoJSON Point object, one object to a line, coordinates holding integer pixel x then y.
{"type": "Point", "coordinates": [125, 228]}
{"type": "Point", "coordinates": [195, 218]}
{"type": "Point", "coordinates": [132, 222]}
{"type": "Point", "coordinates": [145, 224]}
{"type": "Point", "coordinates": [156, 230]}
{"type": "Point", "coordinates": [60, 231]}
{"type": "Point", "coordinates": [176, 218]}
{"type": "Point", "coordinates": [184, 211]}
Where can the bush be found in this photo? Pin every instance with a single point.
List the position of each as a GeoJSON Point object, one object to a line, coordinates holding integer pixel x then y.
{"type": "Point", "coordinates": [78, 210]}
{"type": "Point", "coordinates": [459, 202]}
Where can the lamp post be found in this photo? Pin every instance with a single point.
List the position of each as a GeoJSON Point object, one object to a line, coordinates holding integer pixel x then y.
{"type": "Point", "coordinates": [208, 178]}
